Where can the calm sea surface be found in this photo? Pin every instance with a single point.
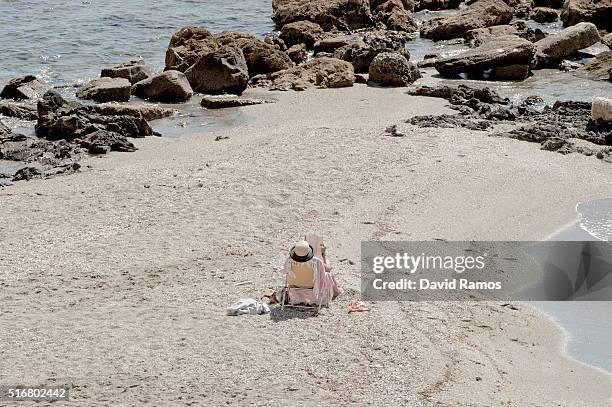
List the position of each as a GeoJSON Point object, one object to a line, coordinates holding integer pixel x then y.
{"type": "Point", "coordinates": [67, 41]}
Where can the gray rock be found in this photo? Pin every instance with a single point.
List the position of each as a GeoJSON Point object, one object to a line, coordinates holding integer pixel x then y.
{"type": "Point", "coordinates": [134, 71]}
{"type": "Point", "coordinates": [554, 48]}
{"type": "Point", "coordinates": [167, 87]}
{"type": "Point", "coordinates": [392, 69]}
{"type": "Point", "coordinates": [509, 52]}
{"type": "Point", "coordinates": [221, 71]}
{"type": "Point", "coordinates": [106, 90]}
{"type": "Point", "coordinates": [27, 87]}
{"type": "Point", "coordinates": [483, 13]}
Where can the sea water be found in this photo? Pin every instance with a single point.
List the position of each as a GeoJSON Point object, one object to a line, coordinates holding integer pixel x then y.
{"type": "Point", "coordinates": [588, 325]}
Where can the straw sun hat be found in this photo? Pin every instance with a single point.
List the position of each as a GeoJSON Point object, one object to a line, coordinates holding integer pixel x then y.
{"type": "Point", "coordinates": [301, 251]}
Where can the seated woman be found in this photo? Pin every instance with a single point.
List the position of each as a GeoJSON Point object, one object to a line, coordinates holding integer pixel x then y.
{"type": "Point", "coordinates": [309, 278]}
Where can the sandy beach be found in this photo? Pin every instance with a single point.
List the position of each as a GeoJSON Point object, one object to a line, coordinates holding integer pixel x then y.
{"type": "Point", "coordinates": [115, 279]}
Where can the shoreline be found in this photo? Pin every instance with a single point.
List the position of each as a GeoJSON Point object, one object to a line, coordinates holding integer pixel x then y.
{"type": "Point", "coordinates": [163, 257]}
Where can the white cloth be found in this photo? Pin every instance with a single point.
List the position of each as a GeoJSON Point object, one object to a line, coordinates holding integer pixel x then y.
{"type": "Point", "coordinates": [248, 306]}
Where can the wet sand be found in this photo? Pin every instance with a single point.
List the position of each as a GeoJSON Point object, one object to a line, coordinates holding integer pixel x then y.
{"type": "Point", "coordinates": [115, 280]}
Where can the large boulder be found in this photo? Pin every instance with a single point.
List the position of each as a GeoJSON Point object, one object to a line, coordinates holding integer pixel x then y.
{"type": "Point", "coordinates": [301, 32]}
{"type": "Point", "coordinates": [134, 71]}
{"type": "Point", "coordinates": [322, 72]}
{"type": "Point", "coordinates": [599, 68]}
{"type": "Point", "coordinates": [393, 69]}
{"type": "Point", "coordinates": [544, 15]}
{"type": "Point", "coordinates": [483, 13]}
{"type": "Point", "coordinates": [260, 57]}
{"type": "Point", "coordinates": [221, 71]}
{"type": "Point", "coordinates": [27, 87]}
{"type": "Point", "coordinates": [187, 46]}
{"type": "Point", "coordinates": [598, 12]}
{"type": "Point", "coordinates": [507, 57]}
{"type": "Point", "coordinates": [554, 48]}
{"type": "Point", "coordinates": [434, 5]}
{"type": "Point", "coordinates": [106, 90]}
{"type": "Point", "coordinates": [332, 42]}
{"type": "Point", "coordinates": [395, 16]}
{"type": "Point", "coordinates": [167, 87]}
{"type": "Point", "coordinates": [329, 14]}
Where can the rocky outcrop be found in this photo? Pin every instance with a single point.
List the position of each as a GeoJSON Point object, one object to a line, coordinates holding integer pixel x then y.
{"type": "Point", "coordinates": [23, 111]}
{"type": "Point", "coordinates": [134, 71]}
{"type": "Point", "coordinates": [260, 57]}
{"type": "Point", "coordinates": [223, 102]}
{"type": "Point", "coordinates": [360, 53]}
{"type": "Point", "coordinates": [395, 15]}
{"type": "Point", "coordinates": [508, 57]}
{"type": "Point", "coordinates": [301, 32]}
{"type": "Point", "coordinates": [106, 90]}
{"type": "Point", "coordinates": [329, 14]}
{"type": "Point", "coordinates": [221, 71]}
{"type": "Point", "coordinates": [544, 15]}
{"type": "Point", "coordinates": [332, 42]}
{"type": "Point", "coordinates": [297, 53]}
{"type": "Point", "coordinates": [167, 87]}
{"type": "Point", "coordinates": [599, 68]}
{"type": "Point", "coordinates": [27, 87]}
{"type": "Point", "coordinates": [187, 46]}
{"type": "Point", "coordinates": [434, 5]}
{"type": "Point", "coordinates": [483, 13]}
{"type": "Point", "coordinates": [62, 120]}
{"type": "Point", "coordinates": [554, 48]}
{"type": "Point", "coordinates": [392, 69]}
{"type": "Point", "coordinates": [598, 12]}
{"type": "Point", "coordinates": [321, 72]}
